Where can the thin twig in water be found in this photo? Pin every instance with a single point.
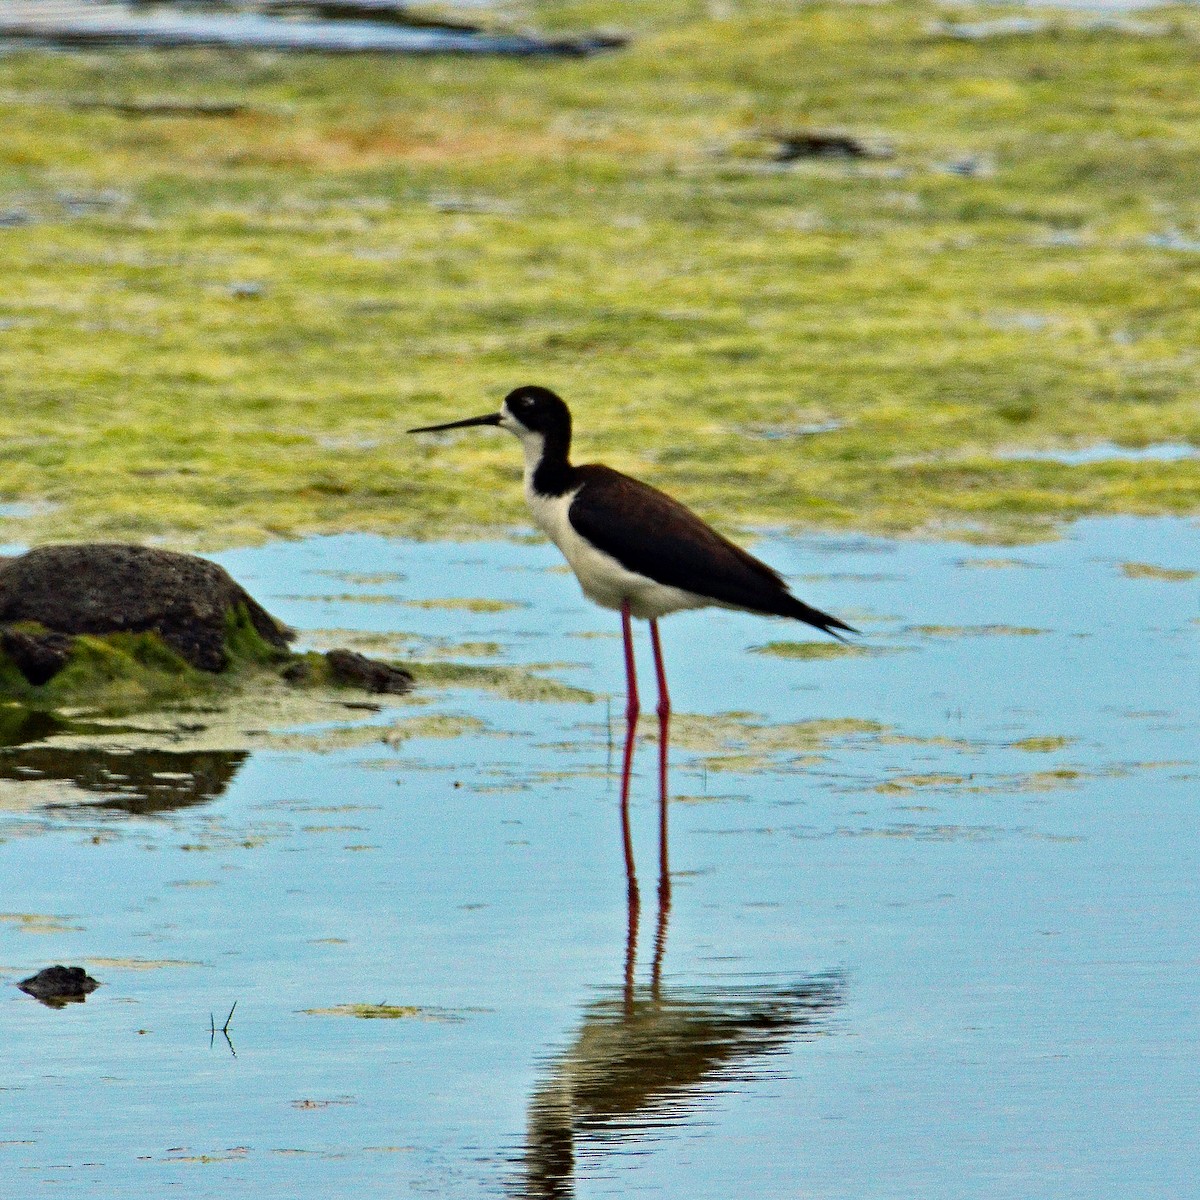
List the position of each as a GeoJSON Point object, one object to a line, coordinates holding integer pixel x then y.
{"type": "Point", "coordinates": [212, 1031]}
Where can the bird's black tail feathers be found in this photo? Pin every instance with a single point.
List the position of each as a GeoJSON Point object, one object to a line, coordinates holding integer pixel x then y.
{"type": "Point", "coordinates": [797, 609]}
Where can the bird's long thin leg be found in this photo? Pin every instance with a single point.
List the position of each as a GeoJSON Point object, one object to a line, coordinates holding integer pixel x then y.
{"type": "Point", "coordinates": [632, 707]}
{"type": "Point", "coordinates": [664, 710]}
{"type": "Point", "coordinates": [664, 799]}
{"type": "Point", "coordinates": [631, 718]}
{"type": "Point", "coordinates": [664, 733]}
{"type": "Point", "coordinates": [664, 697]}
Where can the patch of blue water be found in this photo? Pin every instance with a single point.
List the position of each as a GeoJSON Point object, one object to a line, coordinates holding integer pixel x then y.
{"type": "Point", "coordinates": [162, 27]}
{"type": "Point", "coordinates": [1110, 452]}
{"type": "Point", "coordinates": [870, 984]}
{"type": "Point", "coordinates": [19, 510]}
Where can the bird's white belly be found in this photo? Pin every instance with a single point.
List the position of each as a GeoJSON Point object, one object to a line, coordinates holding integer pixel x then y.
{"type": "Point", "coordinates": [604, 580]}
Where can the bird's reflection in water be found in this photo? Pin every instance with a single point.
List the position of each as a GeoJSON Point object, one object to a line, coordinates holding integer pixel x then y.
{"type": "Point", "coordinates": [646, 1056]}
{"type": "Point", "coordinates": [644, 1061]}
{"type": "Point", "coordinates": [141, 782]}
{"type": "Point", "coordinates": [664, 864]}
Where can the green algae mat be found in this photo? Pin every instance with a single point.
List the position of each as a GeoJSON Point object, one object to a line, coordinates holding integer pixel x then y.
{"type": "Point", "coordinates": [229, 281]}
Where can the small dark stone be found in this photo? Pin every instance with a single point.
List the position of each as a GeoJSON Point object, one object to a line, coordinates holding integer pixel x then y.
{"type": "Point", "coordinates": [816, 143]}
{"type": "Point", "coordinates": [38, 656]}
{"type": "Point", "coordinates": [297, 671]}
{"type": "Point", "coordinates": [59, 985]}
{"type": "Point", "coordinates": [356, 670]}
{"type": "Point", "coordinates": [102, 587]}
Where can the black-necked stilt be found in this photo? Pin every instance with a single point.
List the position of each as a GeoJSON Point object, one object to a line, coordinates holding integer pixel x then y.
{"type": "Point", "coordinates": [632, 547]}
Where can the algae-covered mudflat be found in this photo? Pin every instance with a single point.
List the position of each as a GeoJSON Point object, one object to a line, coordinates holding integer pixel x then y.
{"type": "Point", "coordinates": [215, 323]}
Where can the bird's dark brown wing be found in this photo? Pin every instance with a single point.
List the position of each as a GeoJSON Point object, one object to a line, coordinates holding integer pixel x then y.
{"type": "Point", "coordinates": [648, 532]}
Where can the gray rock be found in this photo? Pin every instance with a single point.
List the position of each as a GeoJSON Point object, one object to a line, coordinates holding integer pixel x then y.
{"type": "Point", "coordinates": [356, 670]}
{"type": "Point", "coordinates": [102, 587]}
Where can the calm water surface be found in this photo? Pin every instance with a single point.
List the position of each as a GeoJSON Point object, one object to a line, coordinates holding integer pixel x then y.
{"type": "Point", "coordinates": [933, 930]}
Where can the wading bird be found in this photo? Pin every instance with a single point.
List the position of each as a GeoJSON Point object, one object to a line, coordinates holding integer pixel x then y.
{"type": "Point", "coordinates": [632, 547]}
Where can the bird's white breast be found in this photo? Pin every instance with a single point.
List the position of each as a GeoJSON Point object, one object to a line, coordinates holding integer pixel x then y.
{"type": "Point", "coordinates": [603, 579]}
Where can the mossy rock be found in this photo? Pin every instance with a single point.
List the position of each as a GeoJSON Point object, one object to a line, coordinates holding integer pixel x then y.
{"type": "Point", "coordinates": [103, 587]}
{"type": "Point", "coordinates": [118, 627]}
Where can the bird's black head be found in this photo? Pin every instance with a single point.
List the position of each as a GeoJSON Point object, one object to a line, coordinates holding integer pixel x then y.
{"type": "Point", "coordinates": [536, 410]}
{"type": "Point", "coordinates": [529, 412]}
{"type": "Point", "coordinates": [542, 422]}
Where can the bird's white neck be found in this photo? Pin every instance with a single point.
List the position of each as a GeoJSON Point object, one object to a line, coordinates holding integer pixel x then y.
{"type": "Point", "coordinates": [533, 445]}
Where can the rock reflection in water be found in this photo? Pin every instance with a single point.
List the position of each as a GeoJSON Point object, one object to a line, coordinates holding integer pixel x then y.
{"type": "Point", "coordinates": [644, 1060]}
{"type": "Point", "coordinates": [134, 781]}
{"type": "Point", "coordinates": [19, 726]}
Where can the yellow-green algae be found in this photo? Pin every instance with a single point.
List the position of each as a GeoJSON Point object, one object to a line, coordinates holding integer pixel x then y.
{"type": "Point", "coordinates": [419, 235]}
{"type": "Point", "coordinates": [695, 731]}
{"type": "Point", "coordinates": [1137, 570]}
{"type": "Point", "coordinates": [1043, 745]}
{"type": "Point", "coordinates": [39, 923]}
{"type": "Point", "coordinates": [375, 1012]}
{"type": "Point", "coordinates": [128, 672]}
{"type": "Point", "coordinates": [743, 742]}
{"type": "Point", "coordinates": [995, 564]}
{"type": "Point", "coordinates": [810, 651]}
{"type": "Point", "coordinates": [256, 708]}
{"type": "Point", "coordinates": [466, 604]}
{"type": "Point", "coordinates": [960, 631]}
{"type": "Point", "coordinates": [1055, 779]}
{"type": "Point", "coordinates": [905, 783]}
{"type": "Point", "coordinates": [513, 683]}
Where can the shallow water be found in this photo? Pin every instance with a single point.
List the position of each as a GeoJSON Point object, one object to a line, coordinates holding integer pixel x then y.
{"type": "Point", "coordinates": [1110, 452]}
{"type": "Point", "coordinates": [932, 930]}
{"type": "Point", "coordinates": [114, 23]}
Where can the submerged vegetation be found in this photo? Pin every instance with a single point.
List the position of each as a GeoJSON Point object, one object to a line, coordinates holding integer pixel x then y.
{"type": "Point", "coordinates": [214, 323]}
{"type": "Point", "coordinates": [386, 1012]}
{"type": "Point", "coordinates": [126, 672]}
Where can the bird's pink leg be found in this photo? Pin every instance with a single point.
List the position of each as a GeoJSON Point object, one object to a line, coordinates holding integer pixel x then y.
{"type": "Point", "coordinates": [632, 707]}
{"type": "Point", "coordinates": [664, 698]}
{"type": "Point", "coordinates": [631, 718]}
{"type": "Point", "coordinates": [664, 712]}
{"type": "Point", "coordinates": [664, 730]}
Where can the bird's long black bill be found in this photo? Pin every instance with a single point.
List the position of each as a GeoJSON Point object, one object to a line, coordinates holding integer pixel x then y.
{"type": "Point", "coordinates": [490, 419]}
